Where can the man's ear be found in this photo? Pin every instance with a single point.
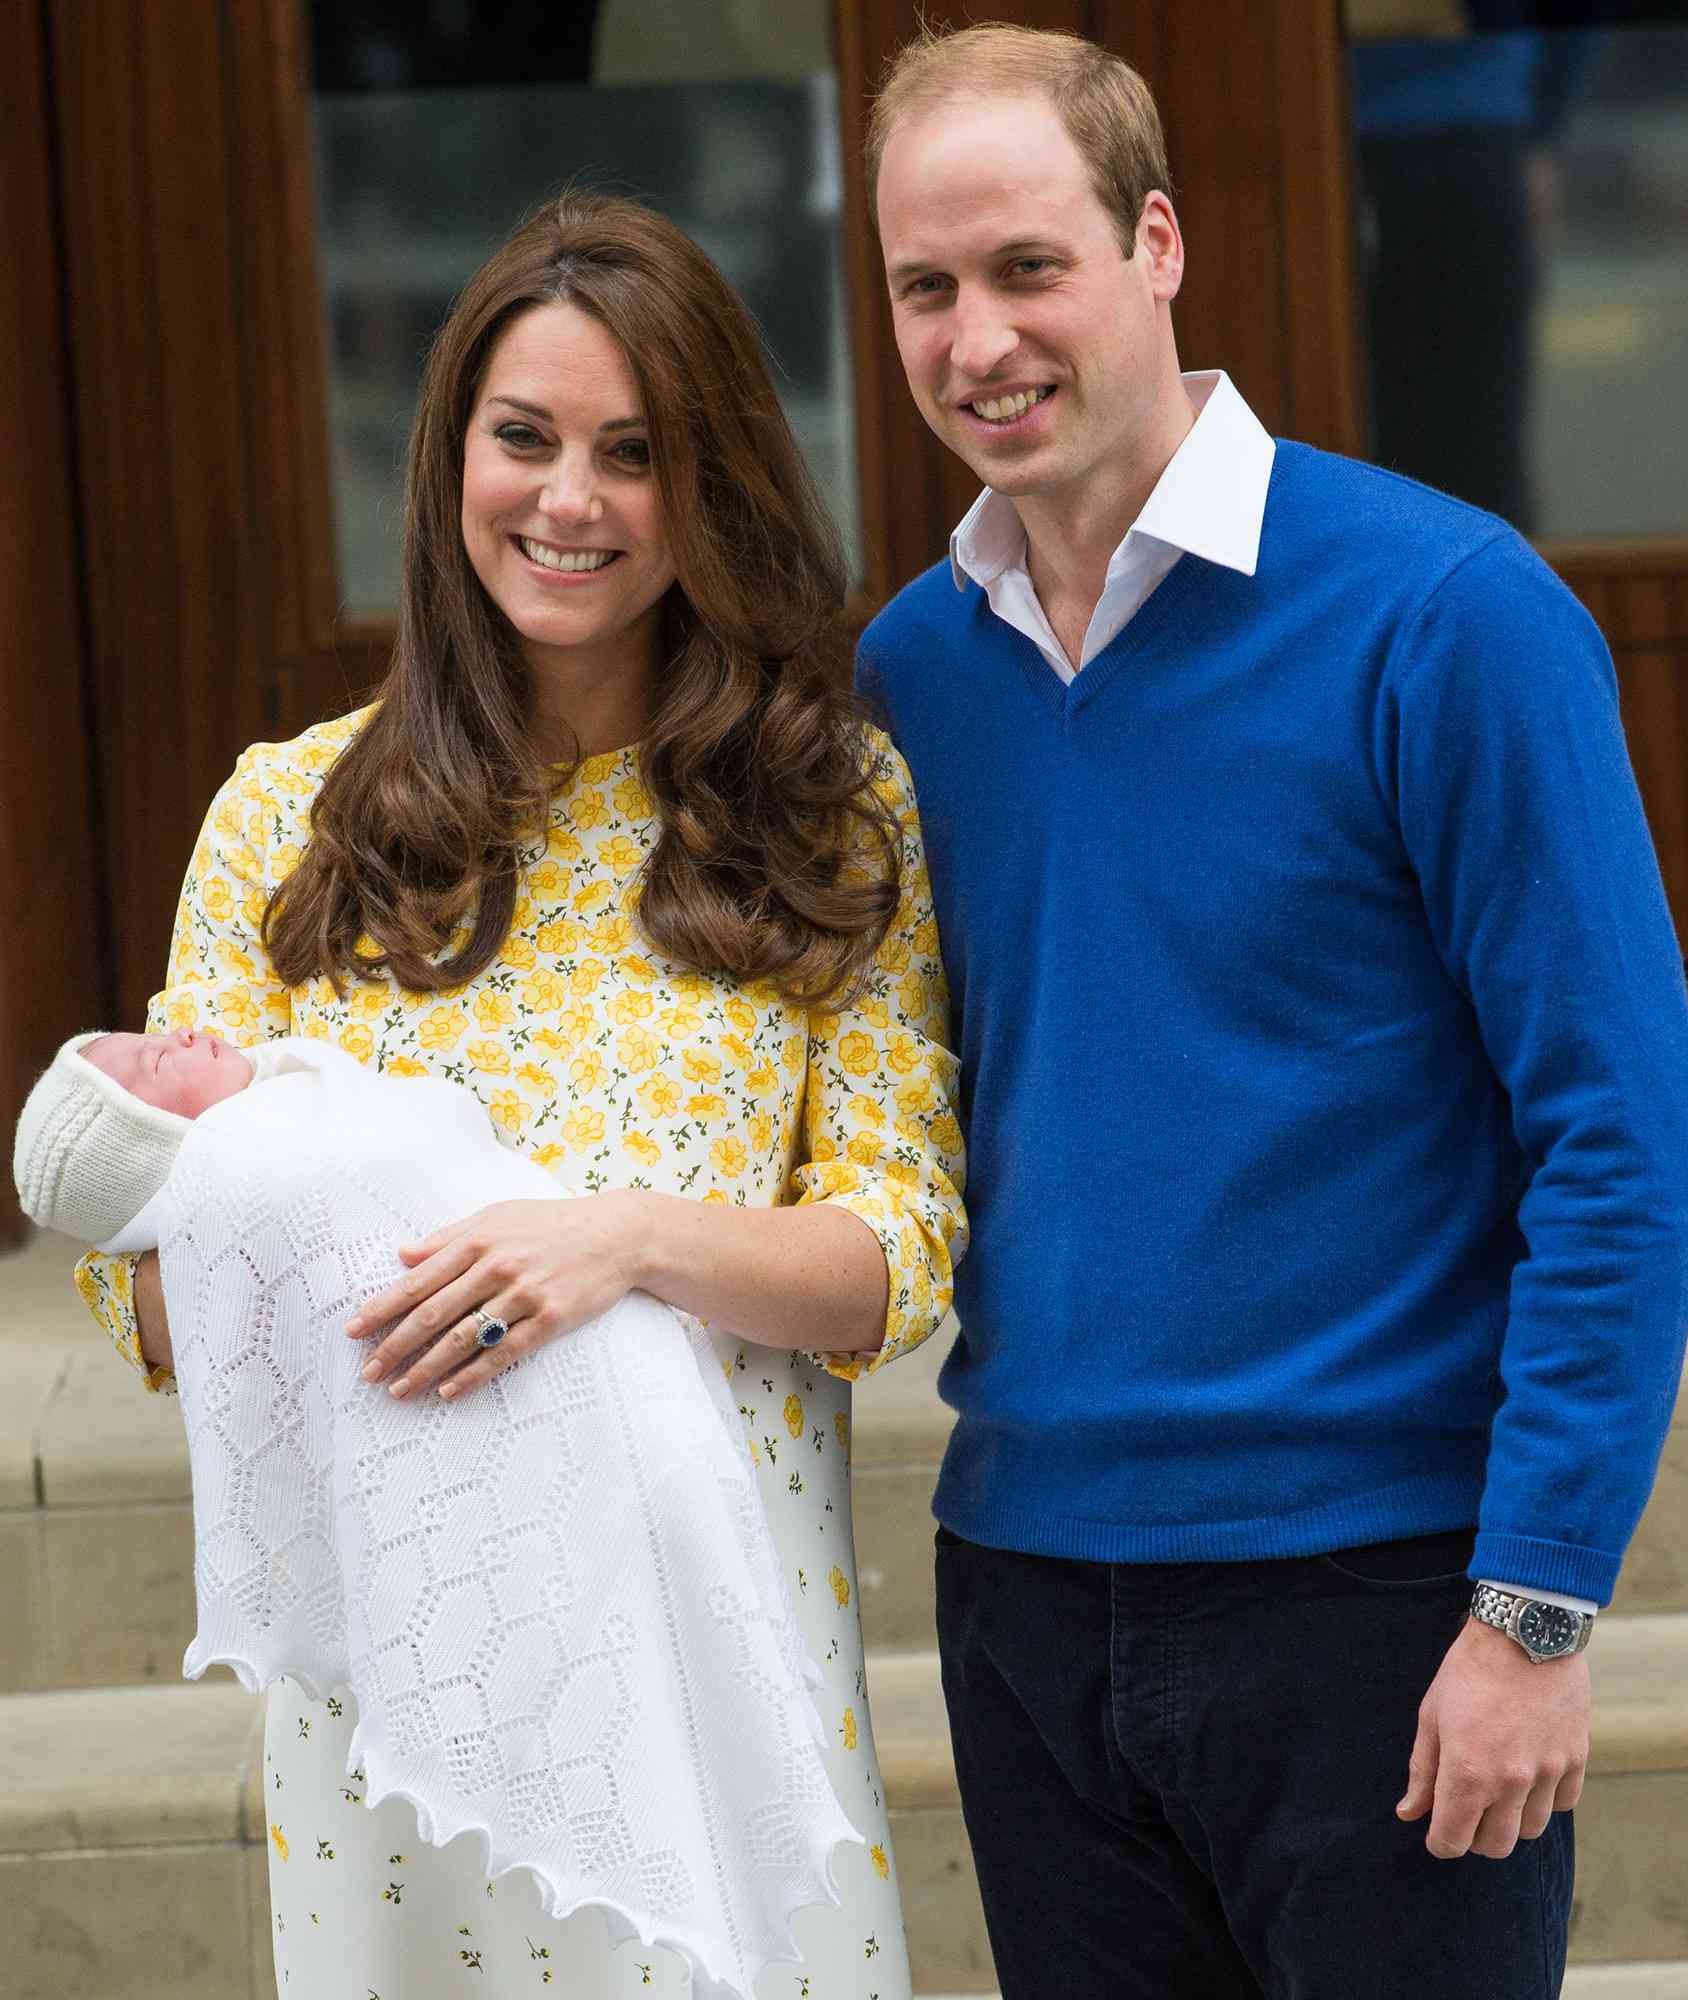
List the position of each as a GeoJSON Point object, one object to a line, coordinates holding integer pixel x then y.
{"type": "Point", "coordinates": [1160, 242]}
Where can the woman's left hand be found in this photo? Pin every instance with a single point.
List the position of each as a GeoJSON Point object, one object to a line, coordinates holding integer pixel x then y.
{"type": "Point", "coordinates": [543, 1267]}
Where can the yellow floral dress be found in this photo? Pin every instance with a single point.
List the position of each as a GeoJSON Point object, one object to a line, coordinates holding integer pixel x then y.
{"type": "Point", "coordinates": [608, 1063]}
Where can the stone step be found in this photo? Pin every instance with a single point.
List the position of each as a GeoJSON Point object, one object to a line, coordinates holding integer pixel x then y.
{"type": "Point", "coordinates": [132, 1829]}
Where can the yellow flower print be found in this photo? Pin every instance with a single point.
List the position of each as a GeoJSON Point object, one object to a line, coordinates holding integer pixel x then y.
{"type": "Point", "coordinates": [621, 854]}
{"type": "Point", "coordinates": [285, 859]}
{"type": "Point", "coordinates": [587, 1071]}
{"type": "Point", "coordinates": [706, 1106]}
{"type": "Point", "coordinates": [858, 1055]}
{"type": "Point", "coordinates": [182, 1012]}
{"type": "Point", "coordinates": [89, 1286]}
{"type": "Point", "coordinates": [823, 1027]}
{"type": "Point", "coordinates": [405, 1066]}
{"type": "Point", "coordinates": [610, 933]}
{"type": "Point", "coordinates": [641, 969]}
{"type": "Point", "coordinates": [659, 1097]}
{"type": "Point", "coordinates": [691, 987]}
{"type": "Point", "coordinates": [679, 1021]}
{"type": "Point", "coordinates": [915, 995]}
{"type": "Point", "coordinates": [546, 880]}
{"type": "Point", "coordinates": [561, 841]}
{"type": "Point", "coordinates": [893, 955]}
{"type": "Point", "coordinates": [882, 1867]}
{"type": "Point", "coordinates": [583, 1127]}
{"type": "Point", "coordinates": [493, 1009]}
{"type": "Point", "coordinates": [762, 1082]}
{"type": "Point", "coordinates": [945, 1134]}
{"type": "Point", "coordinates": [642, 1147]}
{"type": "Point", "coordinates": [522, 915]}
{"type": "Point", "coordinates": [595, 769]}
{"type": "Point", "coordinates": [848, 1366]}
{"type": "Point", "coordinates": [740, 1050]}
{"type": "Point", "coordinates": [588, 810]}
{"type": "Point", "coordinates": [253, 905]}
{"type": "Point", "coordinates": [715, 1198]}
{"type": "Point", "coordinates": [357, 1040]}
{"type": "Point", "coordinates": [863, 1149]}
{"type": "Point", "coordinates": [848, 1729]}
{"type": "Point", "coordinates": [520, 953]}
{"type": "Point", "coordinates": [280, 1840]}
{"type": "Point", "coordinates": [218, 898]}
{"type": "Point", "coordinates": [547, 1156]}
{"type": "Point", "coordinates": [926, 937]}
{"type": "Point", "coordinates": [574, 1024]}
{"type": "Point", "coordinates": [544, 992]}
{"type": "Point", "coordinates": [909, 1129]}
{"type": "Point", "coordinates": [841, 1428]}
{"type": "Point", "coordinates": [236, 964]}
{"type": "Point", "coordinates": [868, 1109]}
{"type": "Point", "coordinates": [632, 801]}
{"type": "Point", "coordinates": [587, 975]}
{"type": "Point", "coordinates": [792, 1052]}
{"type": "Point", "coordinates": [315, 1030]}
{"type": "Point", "coordinates": [561, 936]}
{"type": "Point", "coordinates": [237, 1010]}
{"type": "Point", "coordinates": [489, 1057]}
{"type": "Point", "coordinates": [876, 1012]}
{"type": "Point", "coordinates": [441, 1028]}
{"type": "Point", "coordinates": [508, 1110]}
{"type": "Point", "coordinates": [122, 1288]}
{"type": "Point", "coordinates": [548, 1038]}
{"type": "Point", "coordinates": [630, 1007]}
{"type": "Point", "coordinates": [540, 1081]}
{"type": "Point", "coordinates": [920, 1289]}
{"type": "Point", "coordinates": [902, 1053]}
{"type": "Point", "coordinates": [917, 1096]}
{"type": "Point", "coordinates": [368, 1001]}
{"type": "Point", "coordinates": [243, 864]}
{"type": "Point", "coordinates": [823, 1148]}
{"type": "Point", "coordinates": [840, 1586]}
{"type": "Point", "coordinates": [729, 1155]}
{"type": "Point", "coordinates": [840, 1180]}
{"type": "Point", "coordinates": [900, 1170]}
{"type": "Point", "coordinates": [638, 1049]}
{"type": "Point", "coordinates": [794, 1415]}
{"type": "Point", "coordinates": [700, 1067]}
{"type": "Point", "coordinates": [742, 1017]}
{"type": "Point", "coordinates": [761, 1129]}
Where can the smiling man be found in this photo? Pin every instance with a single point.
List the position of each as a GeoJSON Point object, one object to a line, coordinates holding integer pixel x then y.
{"type": "Point", "coordinates": [1325, 1071]}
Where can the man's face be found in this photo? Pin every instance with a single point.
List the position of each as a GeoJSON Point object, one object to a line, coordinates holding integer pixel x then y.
{"type": "Point", "coordinates": [1035, 349]}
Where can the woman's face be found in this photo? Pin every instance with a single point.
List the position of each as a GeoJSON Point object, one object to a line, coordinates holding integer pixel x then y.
{"type": "Point", "coordinates": [560, 511]}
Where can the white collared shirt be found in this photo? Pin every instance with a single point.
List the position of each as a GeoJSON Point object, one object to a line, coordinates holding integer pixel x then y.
{"type": "Point", "coordinates": [1210, 502]}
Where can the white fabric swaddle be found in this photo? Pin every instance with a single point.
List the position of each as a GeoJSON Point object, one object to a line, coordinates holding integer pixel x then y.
{"type": "Point", "coordinates": [554, 1601]}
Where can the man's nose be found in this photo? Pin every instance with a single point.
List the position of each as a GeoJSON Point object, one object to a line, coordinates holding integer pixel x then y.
{"type": "Point", "coordinates": [983, 336]}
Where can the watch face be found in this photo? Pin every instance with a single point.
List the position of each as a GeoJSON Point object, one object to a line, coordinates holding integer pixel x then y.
{"type": "Point", "coordinates": [1548, 1629]}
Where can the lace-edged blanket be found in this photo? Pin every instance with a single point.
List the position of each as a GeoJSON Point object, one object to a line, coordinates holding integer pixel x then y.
{"type": "Point", "coordinates": [555, 1602]}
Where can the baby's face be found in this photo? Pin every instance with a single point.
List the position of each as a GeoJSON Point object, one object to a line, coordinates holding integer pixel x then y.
{"type": "Point", "coordinates": [186, 1072]}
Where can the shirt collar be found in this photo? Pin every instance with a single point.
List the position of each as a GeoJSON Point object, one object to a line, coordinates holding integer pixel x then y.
{"type": "Point", "coordinates": [1210, 501]}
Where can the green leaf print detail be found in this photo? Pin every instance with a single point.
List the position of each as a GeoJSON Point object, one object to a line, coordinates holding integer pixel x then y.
{"type": "Point", "coordinates": [335, 1707]}
{"type": "Point", "coordinates": [871, 1948]}
{"type": "Point", "coordinates": [304, 1726]}
{"type": "Point", "coordinates": [536, 1950]}
{"type": "Point", "coordinates": [472, 1959]}
{"type": "Point", "coordinates": [393, 1893]}
{"type": "Point", "coordinates": [323, 1851]}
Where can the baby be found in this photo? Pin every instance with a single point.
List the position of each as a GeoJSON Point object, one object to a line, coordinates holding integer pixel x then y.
{"type": "Point", "coordinates": [589, 1516]}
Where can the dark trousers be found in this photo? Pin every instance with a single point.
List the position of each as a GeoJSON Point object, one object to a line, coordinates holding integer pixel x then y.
{"type": "Point", "coordinates": [1179, 1781]}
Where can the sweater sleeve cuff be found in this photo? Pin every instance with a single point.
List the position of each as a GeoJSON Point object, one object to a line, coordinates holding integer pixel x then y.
{"type": "Point", "coordinates": [1538, 1566]}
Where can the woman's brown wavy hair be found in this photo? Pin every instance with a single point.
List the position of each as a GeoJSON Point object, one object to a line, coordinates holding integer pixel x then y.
{"type": "Point", "coordinates": [776, 858]}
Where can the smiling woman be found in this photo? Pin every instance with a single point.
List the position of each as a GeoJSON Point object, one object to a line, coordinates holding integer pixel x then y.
{"type": "Point", "coordinates": [614, 849]}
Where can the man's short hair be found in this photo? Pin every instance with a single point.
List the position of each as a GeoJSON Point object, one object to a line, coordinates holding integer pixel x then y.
{"type": "Point", "coordinates": [1107, 108]}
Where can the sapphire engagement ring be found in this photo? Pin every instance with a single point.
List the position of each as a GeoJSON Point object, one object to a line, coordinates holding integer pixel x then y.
{"type": "Point", "coordinates": [492, 1331]}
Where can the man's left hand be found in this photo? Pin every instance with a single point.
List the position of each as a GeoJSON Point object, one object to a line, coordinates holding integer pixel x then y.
{"type": "Point", "coordinates": [1502, 1746]}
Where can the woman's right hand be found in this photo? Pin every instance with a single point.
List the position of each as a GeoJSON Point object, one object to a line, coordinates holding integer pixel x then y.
{"type": "Point", "coordinates": [150, 1315]}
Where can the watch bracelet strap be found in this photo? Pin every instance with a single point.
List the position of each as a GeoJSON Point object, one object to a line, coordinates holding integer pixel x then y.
{"type": "Point", "coordinates": [1494, 1607]}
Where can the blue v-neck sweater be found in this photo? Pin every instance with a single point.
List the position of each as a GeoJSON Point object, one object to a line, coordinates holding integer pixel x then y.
{"type": "Point", "coordinates": [1324, 1053]}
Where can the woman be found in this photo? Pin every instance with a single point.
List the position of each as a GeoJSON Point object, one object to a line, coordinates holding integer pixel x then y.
{"type": "Point", "coordinates": [611, 849]}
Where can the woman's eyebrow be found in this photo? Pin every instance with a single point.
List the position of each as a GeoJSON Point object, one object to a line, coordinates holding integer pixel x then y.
{"type": "Point", "coordinates": [545, 416]}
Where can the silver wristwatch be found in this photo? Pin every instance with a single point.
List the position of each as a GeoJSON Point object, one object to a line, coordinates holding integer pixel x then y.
{"type": "Point", "coordinates": [1545, 1631]}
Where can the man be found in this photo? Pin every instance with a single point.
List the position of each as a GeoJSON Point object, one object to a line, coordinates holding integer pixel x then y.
{"type": "Point", "coordinates": [1325, 1069]}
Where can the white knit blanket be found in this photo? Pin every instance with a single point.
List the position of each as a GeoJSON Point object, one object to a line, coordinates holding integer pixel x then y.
{"type": "Point", "coordinates": [554, 1601]}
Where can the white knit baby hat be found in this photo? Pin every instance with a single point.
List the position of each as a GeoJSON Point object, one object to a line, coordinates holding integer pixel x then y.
{"type": "Point", "coordinates": [88, 1155]}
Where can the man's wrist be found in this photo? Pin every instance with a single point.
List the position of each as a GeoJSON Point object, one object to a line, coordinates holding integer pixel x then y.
{"type": "Point", "coordinates": [1586, 1605]}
